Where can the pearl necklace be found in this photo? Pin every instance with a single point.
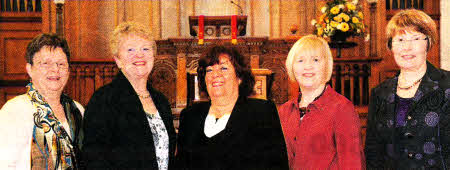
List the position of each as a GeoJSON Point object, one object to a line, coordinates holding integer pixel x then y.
{"type": "Point", "coordinates": [143, 96]}
{"type": "Point", "coordinates": [409, 87]}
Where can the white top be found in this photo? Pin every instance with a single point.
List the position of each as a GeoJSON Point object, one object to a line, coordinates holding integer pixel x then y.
{"type": "Point", "coordinates": [213, 127]}
{"type": "Point", "coordinates": [16, 131]}
{"type": "Point", "coordinates": [160, 140]}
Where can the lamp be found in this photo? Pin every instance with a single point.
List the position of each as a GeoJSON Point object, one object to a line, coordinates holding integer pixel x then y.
{"type": "Point", "coordinates": [373, 36]}
{"type": "Point", "coordinates": [372, 1]}
{"type": "Point", "coordinates": [58, 1]}
{"type": "Point", "coordinates": [59, 17]}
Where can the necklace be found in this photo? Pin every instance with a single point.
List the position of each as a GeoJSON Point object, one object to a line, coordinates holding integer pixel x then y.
{"type": "Point", "coordinates": [143, 96]}
{"type": "Point", "coordinates": [409, 87]}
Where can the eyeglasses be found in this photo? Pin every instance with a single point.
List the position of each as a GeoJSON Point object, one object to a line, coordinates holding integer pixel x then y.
{"type": "Point", "coordinates": [403, 42]}
{"type": "Point", "coordinates": [48, 65]}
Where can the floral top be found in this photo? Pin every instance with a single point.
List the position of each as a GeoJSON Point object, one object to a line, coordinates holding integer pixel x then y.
{"type": "Point", "coordinates": [160, 139]}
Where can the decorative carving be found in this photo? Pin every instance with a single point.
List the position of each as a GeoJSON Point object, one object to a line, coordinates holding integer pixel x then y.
{"type": "Point", "coordinates": [280, 83]}
{"type": "Point", "coordinates": [163, 78]}
{"type": "Point", "coordinates": [193, 65]}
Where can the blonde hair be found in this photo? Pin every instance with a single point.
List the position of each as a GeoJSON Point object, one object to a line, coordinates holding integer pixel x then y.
{"type": "Point", "coordinates": [314, 45]}
{"type": "Point", "coordinates": [126, 29]}
{"type": "Point", "coordinates": [411, 19]}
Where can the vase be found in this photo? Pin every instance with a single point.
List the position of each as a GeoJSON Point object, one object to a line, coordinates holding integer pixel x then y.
{"type": "Point", "coordinates": [340, 36]}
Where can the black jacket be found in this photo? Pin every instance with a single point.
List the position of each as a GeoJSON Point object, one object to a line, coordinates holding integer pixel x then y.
{"type": "Point", "coordinates": [117, 134]}
{"type": "Point", "coordinates": [252, 139]}
{"type": "Point", "coordinates": [424, 143]}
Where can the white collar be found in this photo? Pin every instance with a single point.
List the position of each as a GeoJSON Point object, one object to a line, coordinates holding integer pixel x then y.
{"type": "Point", "coordinates": [213, 127]}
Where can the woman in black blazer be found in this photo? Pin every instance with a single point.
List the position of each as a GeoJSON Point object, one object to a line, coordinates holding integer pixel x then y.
{"type": "Point", "coordinates": [128, 124]}
{"type": "Point", "coordinates": [230, 131]}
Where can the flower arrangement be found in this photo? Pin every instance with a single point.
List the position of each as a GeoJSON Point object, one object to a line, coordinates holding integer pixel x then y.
{"type": "Point", "coordinates": [339, 19]}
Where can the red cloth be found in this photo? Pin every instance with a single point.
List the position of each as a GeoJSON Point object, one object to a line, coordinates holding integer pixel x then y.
{"type": "Point", "coordinates": [234, 29]}
{"type": "Point", "coordinates": [201, 29]}
{"type": "Point", "coordinates": [328, 137]}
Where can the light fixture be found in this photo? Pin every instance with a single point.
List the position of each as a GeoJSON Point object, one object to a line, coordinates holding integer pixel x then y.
{"type": "Point", "coordinates": [59, 1]}
{"type": "Point", "coordinates": [372, 1]}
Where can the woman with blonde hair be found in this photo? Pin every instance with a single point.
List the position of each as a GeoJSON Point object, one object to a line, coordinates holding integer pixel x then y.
{"type": "Point", "coordinates": [408, 121]}
{"type": "Point", "coordinates": [321, 127]}
{"type": "Point", "coordinates": [128, 124]}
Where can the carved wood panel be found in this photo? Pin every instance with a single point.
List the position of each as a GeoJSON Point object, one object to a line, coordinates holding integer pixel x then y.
{"type": "Point", "coordinates": [280, 85]}
{"type": "Point", "coordinates": [12, 56]}
{"type": "Point", "coordinates": [9, 92]}
{"type": "Point", "coordinates": [164, 77]}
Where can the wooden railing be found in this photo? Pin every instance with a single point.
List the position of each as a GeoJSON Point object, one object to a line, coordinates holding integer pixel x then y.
{"type": "Point", "coordinates": [431, 7]}
{"type": "Point", "coordinates": [404, 4]}
{"type": "Point", "coordinates": [20, 6]}
{"type": "Point", "coordinates": [86, 77]}
{"type": "Point", "coordinates": [351, 79]}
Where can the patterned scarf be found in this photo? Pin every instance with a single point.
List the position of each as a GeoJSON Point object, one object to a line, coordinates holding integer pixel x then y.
{"type": "Point", "coordinates": [51, 146]}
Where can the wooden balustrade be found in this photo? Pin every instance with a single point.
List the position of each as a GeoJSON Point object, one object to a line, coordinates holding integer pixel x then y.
{"type": "Point", "coordinates": [86, 77]}
{"type": "Point", "coordinates": [431, 7]}
{"type": "Point", "coordinates": [351, 79]}
{"type": "Point", "coordinates": [404, 4]}
{"type": "Point", "coordinates": [20, 6]}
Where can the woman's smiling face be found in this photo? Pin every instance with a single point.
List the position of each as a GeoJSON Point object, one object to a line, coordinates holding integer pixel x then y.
{"type": "Point", "coordinates": [50, 70]}
{"type": "Point", "coordinates": [221, 79]}
{"type": "Point", "coordinates": [136, 56]}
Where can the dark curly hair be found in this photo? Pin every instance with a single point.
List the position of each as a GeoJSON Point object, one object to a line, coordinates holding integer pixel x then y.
{"type": "Point", "coordinates": [242, 69]}
{"type": "Point", "coordinates": [46, 39]}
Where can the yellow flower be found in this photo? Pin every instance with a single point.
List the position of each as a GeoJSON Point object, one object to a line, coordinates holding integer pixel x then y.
{"type": "Point", "coordinates": [319, 31]}
{"type": "Point", "coordinates": [355, 20]}
{"type": "Point", "coordinates": [321, 18]}
{"type": "Point", "coordinates": [334, 24]}
{"type": "Point", "coordinates": [323, 9]}
{"type": "Point", "coordinates": [334, 10]}
{"type": "Point", "coordinates": [360, 15]}
{"type": "Point", "coordinates": [351, 7]}
{"type": "Point", "coordinates": [344, 27]}
{"type": "Point", "coordinates": [345, 17]}
{"type": "Point", "coordinates": [326, 20]}
{"type": "Point", "coordinates": [328, 28]}
{"type": "Point", "coordinates": [313, 22]}
{"type": "Point", "coordinates": [337, 18]}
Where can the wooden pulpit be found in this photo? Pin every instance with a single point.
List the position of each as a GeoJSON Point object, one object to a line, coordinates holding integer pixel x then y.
{"type": "Point", "coordinates": [217, 26]}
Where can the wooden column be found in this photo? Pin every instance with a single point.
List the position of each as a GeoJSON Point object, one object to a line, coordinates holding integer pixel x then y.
{"type": "Point", "coordinates": [181, 80]}
{"type": "Point", "coordinates": [254, 61]}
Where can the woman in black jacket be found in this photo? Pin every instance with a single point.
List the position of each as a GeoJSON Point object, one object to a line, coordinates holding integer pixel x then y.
{"type": "Point", "coordinates": [128, 124]}
{"type": "Point", "coordinates": [408, 123]}
{"type": "Point", "coordinates": [230, 131]}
